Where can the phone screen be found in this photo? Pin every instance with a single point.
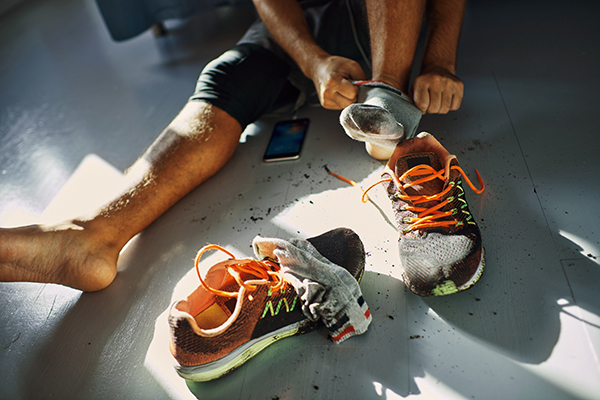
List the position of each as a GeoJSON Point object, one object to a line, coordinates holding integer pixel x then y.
{"type": "Point", "coordinates": [286, 140]}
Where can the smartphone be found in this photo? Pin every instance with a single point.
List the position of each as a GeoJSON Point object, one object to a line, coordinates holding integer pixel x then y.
{"type": "Point", "coordinates": [286, 140]}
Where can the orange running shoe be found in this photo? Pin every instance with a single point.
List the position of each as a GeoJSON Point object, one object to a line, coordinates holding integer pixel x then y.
{"type": "Point", "coordinates": [440, 244]}
{"type": "Point", "coordinates": [244, 305]}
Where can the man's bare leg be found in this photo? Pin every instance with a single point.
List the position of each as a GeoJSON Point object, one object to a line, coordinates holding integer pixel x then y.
{"type": "Point", "coordinates": [83, 253]}
{"type": "Point", "coordinates": [394, 27]}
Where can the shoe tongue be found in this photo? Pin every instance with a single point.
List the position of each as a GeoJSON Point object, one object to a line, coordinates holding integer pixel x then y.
{"type": "Point", "coordinates": [409, 161]}
{"type": "Point", "coordinates": [227, 304]}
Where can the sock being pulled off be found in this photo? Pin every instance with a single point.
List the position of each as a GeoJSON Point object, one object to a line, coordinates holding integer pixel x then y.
{"type": "Point", "coordinates": [327, 291]}
{"type": "Point", "coordinates": [383, 115]}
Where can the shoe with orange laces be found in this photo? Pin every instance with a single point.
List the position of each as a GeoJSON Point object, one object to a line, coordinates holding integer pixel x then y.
{"type": "Point", "coordinates": [244, 305]}
{"type": "Point", "coordinates": [440, 244]}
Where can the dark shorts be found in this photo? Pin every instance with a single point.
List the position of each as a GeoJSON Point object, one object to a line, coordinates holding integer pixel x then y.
{"type": "Point", "coordinates": [247, 82]}
{"type": "Point", "coordinates": [257, 77]}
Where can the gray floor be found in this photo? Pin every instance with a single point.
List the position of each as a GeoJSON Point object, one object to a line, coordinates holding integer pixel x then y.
{"type": "Point", "coordinates": [76, 109]}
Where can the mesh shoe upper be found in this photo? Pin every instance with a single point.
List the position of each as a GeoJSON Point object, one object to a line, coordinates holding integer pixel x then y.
{"type": "Point", "coordinates": [265, 312]}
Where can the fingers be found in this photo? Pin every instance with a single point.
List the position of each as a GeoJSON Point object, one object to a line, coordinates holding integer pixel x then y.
{"type": "Point", "coordinates": [421, 97]}
{"type": "Point", "coordinates": [457, 101]}
{"type": "Point", "coordinates": [431, 101]}
{"type": "Point", "coordinates": [438, 103]}
{"type": "Point", "coordinates": [333, 81]}
{"type": "Point", "coordinates": [438, 93]}
{"type": "Point", "coordinates": [347, 90]}
{"type": "Point", "coordinates": [340, 95]}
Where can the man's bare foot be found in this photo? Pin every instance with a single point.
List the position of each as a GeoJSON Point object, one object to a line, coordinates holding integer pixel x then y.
{"type": "Point", "coordinates": [68, 255]}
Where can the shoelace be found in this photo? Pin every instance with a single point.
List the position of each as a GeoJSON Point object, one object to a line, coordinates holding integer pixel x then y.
{"type": "Point", "coordinates": [268, 272]}
{"type": "Point", "coordinates": [426, 217]}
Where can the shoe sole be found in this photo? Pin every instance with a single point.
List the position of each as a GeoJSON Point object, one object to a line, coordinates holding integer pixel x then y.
{"type": "Point", "coordinates": [239, 356]}
{"type": "Point", "coordinates": [477, 274]}
{"type": "Point", "coordinates": [449, 287]}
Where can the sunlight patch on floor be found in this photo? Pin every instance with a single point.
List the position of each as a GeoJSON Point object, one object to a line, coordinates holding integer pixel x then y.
{"type": "Point", "coordinates": [586, 248]}
{"type": "Point", "coordinates": [93, 183]}
{"type": "Point", "coordinates": [372, 221]}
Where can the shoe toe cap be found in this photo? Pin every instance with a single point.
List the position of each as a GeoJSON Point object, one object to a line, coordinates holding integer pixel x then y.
{"type": "Point", "coordinates": [440, 264]}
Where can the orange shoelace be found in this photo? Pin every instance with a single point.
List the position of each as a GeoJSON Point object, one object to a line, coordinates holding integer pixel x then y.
{"type": "Point", "coordinates": [426, 217]}
{"type": "Point", "coordinates": [268, 272]}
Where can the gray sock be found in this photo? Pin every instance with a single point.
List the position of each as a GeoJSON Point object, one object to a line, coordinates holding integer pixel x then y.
{"type": "Point", "coordinates": [328, 292]}
{"type": "Point", "coordinates": [383, 116]}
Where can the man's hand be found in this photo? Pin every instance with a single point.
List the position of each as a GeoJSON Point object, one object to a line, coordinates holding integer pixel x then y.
{"type": "Point", "coordinates": [332, 76]}
{"type": "Point", "coordinates": [437, 91]}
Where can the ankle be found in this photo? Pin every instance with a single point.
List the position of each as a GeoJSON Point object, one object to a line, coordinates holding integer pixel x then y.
{"type": "Point", "coordinates": [98, 231]}
{"type": "Point", "coordinates": [399, 84]}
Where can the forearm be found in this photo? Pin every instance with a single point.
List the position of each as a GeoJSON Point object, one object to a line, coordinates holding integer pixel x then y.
{"type": "Point", "coordinates": [444, 23]}
{"type": "Point", "coordinates": [285, 21]}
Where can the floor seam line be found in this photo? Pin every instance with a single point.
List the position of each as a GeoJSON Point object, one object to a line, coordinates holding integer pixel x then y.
{"type": "Point", "coordinates": [537, 196]}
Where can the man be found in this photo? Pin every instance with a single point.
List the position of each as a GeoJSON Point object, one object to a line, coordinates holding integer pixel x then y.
{"type": "Point", "coordinates": [230, 94]}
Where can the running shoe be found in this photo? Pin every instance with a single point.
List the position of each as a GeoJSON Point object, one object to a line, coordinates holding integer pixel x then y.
{"type": "Point", "coordinates": [244, 305]}
{"type": "Point", "coordinates": [441, 251]}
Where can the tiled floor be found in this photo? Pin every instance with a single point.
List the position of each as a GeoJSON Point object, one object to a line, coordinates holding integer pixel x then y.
{"type": "Point", "coordinates": [77, 108]}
